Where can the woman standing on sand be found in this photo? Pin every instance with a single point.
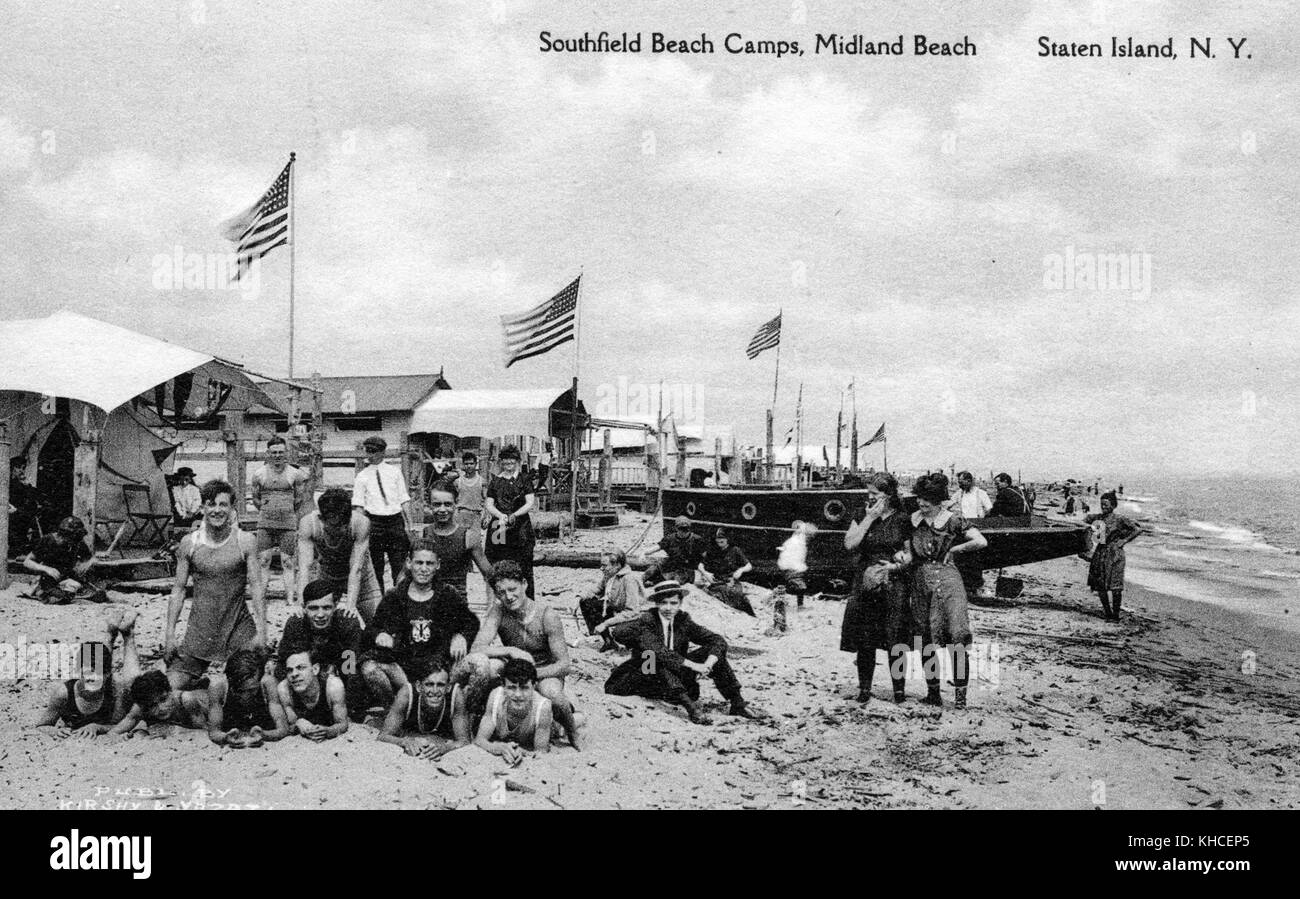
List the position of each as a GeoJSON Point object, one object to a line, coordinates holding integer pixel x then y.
{"type": "Point", "coordinates": [938, 595]}
{"type": "Point", "coordinates": [1106, 572]}
{"type": "Point", "coordinates": [877, 614]}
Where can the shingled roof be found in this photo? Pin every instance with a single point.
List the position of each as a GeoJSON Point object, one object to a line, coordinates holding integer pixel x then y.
{"type": "Point", "coordinates": [380, 393]}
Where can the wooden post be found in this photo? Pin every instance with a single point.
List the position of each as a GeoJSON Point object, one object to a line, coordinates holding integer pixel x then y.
{"type": "Point", "coordinates": [652, 480]}
{"type": "Point", "coordinates": [413, 473]}
{"type": "Point", "coordinates": [717, 461]}
{"type": "Point", "coordinates": [768, 460]}
{"type": "Point", "coordinates": [317, 436]}
{"type": "Point", "coordinates": [606, 472]}
{"type": "Point", "coordinates": [682, 480]}
{"type": "Point", "coordinates": [232, 431]}
{"type": "Point", "coordinates": [85, 479]}
{"type": "Point", "coordinates": [573, 463]}
{"type": "Point", "coordinates": [4, 504]}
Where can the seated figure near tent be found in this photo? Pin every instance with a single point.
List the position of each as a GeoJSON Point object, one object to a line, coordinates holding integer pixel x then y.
{"type": "Point", "coordinates": [64, 560]}
{"type": "Point", "coordinates": [90, 704]}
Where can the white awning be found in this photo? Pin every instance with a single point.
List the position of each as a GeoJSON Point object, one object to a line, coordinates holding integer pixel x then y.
{"type": "Point", "coordinates": [487, 413]}
{"type": "Point", "coordinates": [73, 356]}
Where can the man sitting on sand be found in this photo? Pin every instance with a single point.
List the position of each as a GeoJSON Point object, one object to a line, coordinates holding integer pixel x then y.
{"type": "Point", "coordinates": [63, 561]}
{"type": "Point", "coordinates": [684, 550]}
{"type": "Point", "coordinates": [620, 595]}
{"type": "Point", "coordinates": [530, 631]}
{"type": "Point", "coordinates": [308, 702]}
{"type": "Point", "coordinates": [427, 719]}
{"type": "Point", "coordinates": [518, 718]}
{"type": "Point", "coordinates": [90, 704]}
{"type": "Point", "coordinates": [663, 666]}
{"type": "Point", "coordinates": [723, 566]}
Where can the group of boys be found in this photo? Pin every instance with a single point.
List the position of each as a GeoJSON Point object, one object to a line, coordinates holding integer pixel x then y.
{"type": "Point", "coordinates": [420, 658]}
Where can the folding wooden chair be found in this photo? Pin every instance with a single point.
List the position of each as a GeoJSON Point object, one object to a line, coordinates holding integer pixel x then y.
{"type": "Point", "coordinates": [145, 523]}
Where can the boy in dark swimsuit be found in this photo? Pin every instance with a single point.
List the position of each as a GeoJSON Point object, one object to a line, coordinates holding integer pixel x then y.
{"type": "Point", "coordinates": [91, 704]}
{"type": "Point", "coordinates": [307, 702]}
{"type": "Point", "coordinates": [333, 634]}
{"type": "Point", "coordinates": [457, 545]}
{"type": "Point", "coordinates": [419, 620]}
{"type": "Point", "coordinates": [427, 719]}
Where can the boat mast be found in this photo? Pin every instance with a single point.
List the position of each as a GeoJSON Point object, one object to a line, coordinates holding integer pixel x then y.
{"type": "Point", "coordinates": [853, 447]}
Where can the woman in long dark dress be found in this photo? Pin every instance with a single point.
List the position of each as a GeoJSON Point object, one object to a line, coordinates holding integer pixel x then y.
{"type": "Point", "coordinates": [938, 596]}
{"type": "Point", "coordinates": [1106, 571]}
{"type": "Point", "coordinates": [877, 614]}
{"type": "Point", "coordinates": [510, 497]}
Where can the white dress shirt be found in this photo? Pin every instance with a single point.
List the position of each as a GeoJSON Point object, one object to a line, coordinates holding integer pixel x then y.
{"type": "Point", "coordinates": [375, 499]}
{"type": "Point", "coordinates": [973, 503]}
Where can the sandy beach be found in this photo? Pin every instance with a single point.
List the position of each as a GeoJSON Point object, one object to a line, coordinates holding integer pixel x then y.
{"type": "Point", "coordinates": [1180, 705]}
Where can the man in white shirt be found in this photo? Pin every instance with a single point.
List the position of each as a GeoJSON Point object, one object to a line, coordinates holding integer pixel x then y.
{"type": "Point", "coordinates": [380, 492]}
{"type": "Point", "coordinates": [970, 501]}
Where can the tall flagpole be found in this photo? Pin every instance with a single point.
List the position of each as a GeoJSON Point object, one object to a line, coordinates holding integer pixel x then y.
{"type": "Point", "coordinates": [293, 242]}
{"type": "Point", "coordinates": [776, 379]}
{"type": "Point", "coordinates": [573, 415]}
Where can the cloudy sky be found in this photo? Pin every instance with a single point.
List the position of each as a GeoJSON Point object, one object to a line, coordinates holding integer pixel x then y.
{"type": "Point", "coordinates": [902, 211]}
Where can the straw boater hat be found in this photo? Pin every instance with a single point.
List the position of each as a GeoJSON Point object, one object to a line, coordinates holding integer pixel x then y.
{"type": "Point", "coordinates": [665, 588]}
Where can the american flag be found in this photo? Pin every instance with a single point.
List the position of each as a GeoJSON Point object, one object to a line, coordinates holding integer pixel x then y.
{"type": "Point", "coordinates": [542, 328]}
{"type": "Point", "coordinates": [765, 338]}
{"type": "Point", "coordinates": [879, 435]}
{"type": "Point", "coordinates": [262, 227]}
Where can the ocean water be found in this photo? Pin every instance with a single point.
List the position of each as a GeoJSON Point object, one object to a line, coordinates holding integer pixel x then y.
{"type": "Point", "coordinates": [1232, 542]}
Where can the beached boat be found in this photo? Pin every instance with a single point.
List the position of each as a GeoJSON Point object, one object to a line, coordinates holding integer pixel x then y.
{"type": "Point", "coordinates": [759, 520]}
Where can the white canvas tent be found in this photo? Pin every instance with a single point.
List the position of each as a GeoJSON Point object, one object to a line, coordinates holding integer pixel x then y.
{"type": "Point", "coordinates": [493, 413]}
{"type": "Point", "coordinates": [69, 383]}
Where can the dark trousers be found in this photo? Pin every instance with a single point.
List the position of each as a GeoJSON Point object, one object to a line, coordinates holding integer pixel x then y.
{"type": "Point", "coordinates": [593, 611]}
{"type": "Point", "coordinates": [972, 577]}
{"type": "Point", "coordinates": [665, 677]}
{"type": "Point", "coordinates": [388, 538]}
{"type": "Point", "coordinates": [522, 555]}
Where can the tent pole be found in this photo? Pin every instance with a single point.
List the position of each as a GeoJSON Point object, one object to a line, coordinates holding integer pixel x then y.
{"type": "Point", "coordinates": [4, 502]}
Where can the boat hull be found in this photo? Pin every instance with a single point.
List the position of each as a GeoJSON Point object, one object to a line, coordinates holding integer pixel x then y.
{"type": "Point", "coordinates": [759, 521]}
